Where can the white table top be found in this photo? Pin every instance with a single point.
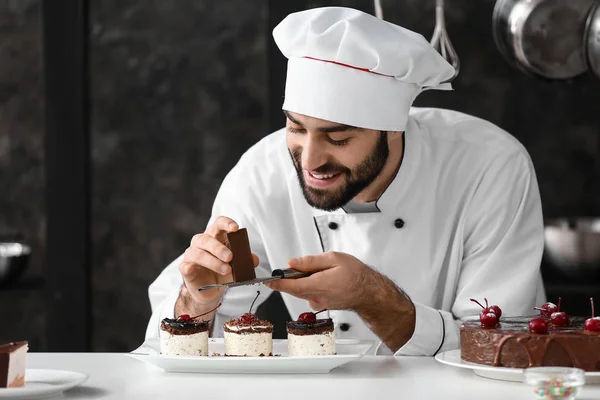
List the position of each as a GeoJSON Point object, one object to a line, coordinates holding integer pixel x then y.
{"type": "Point", "coordinates": [117, 376]}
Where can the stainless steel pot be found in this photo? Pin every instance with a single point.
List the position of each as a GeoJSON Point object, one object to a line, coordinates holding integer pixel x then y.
{"type": "Point", "coordinates": [591, 47]}
{"type": "Point", "coordinates": [14, 259]}
{"type": "Point", "coordinates": [542, 37]}
{"type": "Point", "coordinates": [572, 246]}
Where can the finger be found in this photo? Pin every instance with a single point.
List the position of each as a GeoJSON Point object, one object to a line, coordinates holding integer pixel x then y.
{"type": "Point", "coordinates": [222, 225]}
{"type": "Point", "coordinates": [255, 260]}
{"type": "Point", "coordinates": [196, 259]}
{"type": "Point", "coordinates": [208, 243]}
{"type": "Point", "coordinates": [302, 287]}
{"type": "Point", "coordinates": [314, 263]}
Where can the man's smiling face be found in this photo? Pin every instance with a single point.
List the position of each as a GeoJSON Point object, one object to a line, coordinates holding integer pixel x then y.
{"type": "Point", "coordinates": [334, 162]}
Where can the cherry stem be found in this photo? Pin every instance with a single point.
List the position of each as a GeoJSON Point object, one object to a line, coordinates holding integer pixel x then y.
{"type": "Point", "coordinates": [486, 303]}
{"type": "Point", "coordinates": [252, 305]}
{"type": "Point", "coordinates": [477, 303]}
{"type": "Point", "coordinates": [592, 301]}
{"type": "Point", "coordinates": [538, 308]}
{"type": "Point", "coordinates": [559, 299]}
{"type": "Point", "coordinates": [208, 312]}
{"type": "Point", "coordinates": [318, 312]}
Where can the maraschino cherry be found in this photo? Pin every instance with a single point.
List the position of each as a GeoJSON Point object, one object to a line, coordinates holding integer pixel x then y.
{"type": "Point", "coordinates": [547, 309]}
{"type": "Point", "coordinates": [309, 317]}
{"type": "Point", "coordinates": [248, 317]}
{"type": "Point", "coordinates": [186, 317]}
{"type": "Point", "coordinates": [559, 318]}
{"type": "Point", "coordinates": [592, 324]}
{"type": "Point", "coordinates": [489, 316]}
{"type": "Point", "coordinates": [538, 325]}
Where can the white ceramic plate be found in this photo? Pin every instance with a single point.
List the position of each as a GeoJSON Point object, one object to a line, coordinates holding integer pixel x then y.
{"type": "Point", "coordinates": [42, 383]}
{"type": "Point", "coordinates": [452, 358]}
{"type": "Point", "coordinates": [280, 363]}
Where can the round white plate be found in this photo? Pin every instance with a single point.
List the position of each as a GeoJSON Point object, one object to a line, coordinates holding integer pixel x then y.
{"type": "Point", "coordinates": [452, 358]}
{"type": "Point", "coordinates": [280, 363]}
{"type": "Point", "coordinates": [42, 383]}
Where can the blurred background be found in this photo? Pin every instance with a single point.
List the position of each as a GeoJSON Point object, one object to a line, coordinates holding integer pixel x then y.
{"type": "Point", "coordinates": [119, 119]}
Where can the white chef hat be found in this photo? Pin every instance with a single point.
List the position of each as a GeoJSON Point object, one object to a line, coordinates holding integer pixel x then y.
{"type": "Point", "coordinates": [349, 67]}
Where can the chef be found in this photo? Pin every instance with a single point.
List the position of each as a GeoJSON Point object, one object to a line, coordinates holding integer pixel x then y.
{"type": "Point", "coordinates": [402, 214]}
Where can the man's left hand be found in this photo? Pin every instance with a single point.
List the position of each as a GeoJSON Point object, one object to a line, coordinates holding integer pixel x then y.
{"type": "Point", "coordinates": [337, 283]}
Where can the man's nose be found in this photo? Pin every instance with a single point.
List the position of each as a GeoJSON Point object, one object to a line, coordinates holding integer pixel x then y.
{"type": "Point", "coordinates": [313, 155]}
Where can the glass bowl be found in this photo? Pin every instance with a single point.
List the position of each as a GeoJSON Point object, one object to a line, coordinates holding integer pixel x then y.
{"type": "Point", "coordinates": [555, 382]}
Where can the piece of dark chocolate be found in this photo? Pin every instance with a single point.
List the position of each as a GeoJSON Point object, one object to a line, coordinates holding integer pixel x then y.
{"type": "Point", "coordinates": [242, 265]}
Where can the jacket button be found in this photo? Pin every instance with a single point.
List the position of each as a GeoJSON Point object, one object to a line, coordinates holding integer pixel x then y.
{"type": "Point", "coordinates": [344, 326]}
{"type": "Point", "coordinates": [399, 223]}
{"type": "Point", "coordinates": [333, 225]}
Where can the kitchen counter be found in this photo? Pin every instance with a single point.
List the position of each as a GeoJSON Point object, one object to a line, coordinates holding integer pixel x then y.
{"type": "Point", "coordinates": [117, 376]}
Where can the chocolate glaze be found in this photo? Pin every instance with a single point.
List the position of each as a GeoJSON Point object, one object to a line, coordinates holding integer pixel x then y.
{"type": "Point", "coordinates": [318, 327]}
{"type": "Point", "coordinates": [5, 351]}
{"type": "Point", "coordinates": [253, 326]}
{"type": "Point", "coordinates": [178, 327]}
{"type": "Point", "coordinates": [512, 345]}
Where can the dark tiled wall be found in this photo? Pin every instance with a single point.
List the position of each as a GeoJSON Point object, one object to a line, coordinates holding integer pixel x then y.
{"type": "Point", "coordinates": [21, 163]}
{"type": "Point", "coordinates": [180, 91]}
{"type": "Point", "coordinates": [178, 95]}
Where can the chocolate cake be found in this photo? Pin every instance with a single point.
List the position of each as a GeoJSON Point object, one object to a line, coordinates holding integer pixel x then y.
{"type": "Point", "coordinates": [511, 344]}
{"type": "Point", "coordinates": [185, 337]}
{"type": "Point", "coordinates": [309, 336]}
{"type": "Point", "coordinates": [248, 336]}
{"type": "Point", "coordinates": [13, 363]}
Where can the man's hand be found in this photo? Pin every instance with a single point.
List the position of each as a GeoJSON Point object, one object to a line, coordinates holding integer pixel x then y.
{"type": "Point", "coordinates": [206, 262]}
{"type": "Point", "coordinates": [342, 282]}
{"type": "Point", "coordinates": [336, 285]}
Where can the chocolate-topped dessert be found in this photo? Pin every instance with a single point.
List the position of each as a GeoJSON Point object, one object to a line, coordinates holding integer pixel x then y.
{"type": "Point", "coordinates": [309, 336]}
{"type": "Point", "coordinates": [248, 335]}
{"type": "Point", "coordinates": [13, 363]}
{"type": "Point", "coordinates": [185, 335]}
{"type": "Point", "coordinates": [550, 339]}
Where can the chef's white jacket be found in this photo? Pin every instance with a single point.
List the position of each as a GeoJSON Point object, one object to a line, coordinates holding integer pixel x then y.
{"type": "Point", "coordinates": [461, 219]}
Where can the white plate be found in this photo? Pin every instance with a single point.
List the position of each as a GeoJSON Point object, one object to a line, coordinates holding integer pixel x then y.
{"type": "Point", "coordinates": [42, 383]}
{"type": "Point", "coordinates": [452, 358]}
{"type": "Point", "coordinates": [279, 363]}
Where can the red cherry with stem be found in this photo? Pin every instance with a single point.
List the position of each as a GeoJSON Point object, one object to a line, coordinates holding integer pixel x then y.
{"type": "Point", "coordinates": [488, 320]}
{"type": "Point", "coordinates": [592, 324]}
{"type": "Point", "coordinates": [547, 309]}
{"type": "Point", "coordinates": [307, 318]}
{"type": "Point", "coordinates": [249, 317]}
{"type": "Point", "coordinates": [538, 325]}
{"type": "Point", "coordinates": [495, 309]}
{"type": "Point", "coordinates": [559, 318]}
{"type": "Point", "coordinates": [184, 317]}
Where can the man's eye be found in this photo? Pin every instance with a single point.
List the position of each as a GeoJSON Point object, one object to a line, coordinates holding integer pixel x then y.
{"type": "Point", "coordinates": [339, 142]}
{"type": "Point", "coordinates": [291, 129]}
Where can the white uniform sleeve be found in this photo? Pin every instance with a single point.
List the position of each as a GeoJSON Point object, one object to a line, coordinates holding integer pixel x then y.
{"type": "Point", "coordinates": [233, 200]}
{"type": "Point", "coordinates": [503, 241]}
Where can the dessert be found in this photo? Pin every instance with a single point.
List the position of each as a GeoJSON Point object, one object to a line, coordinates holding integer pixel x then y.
{"type": "Point", "coordinates": [550, 339]}
{"type": "Point", "coordinates": [248, 336]}
{"type": "Point", "coordinates": [242, 265]}
{"type": "Point", "coordinates": [13, 361]}
{"type": "Point", "coordinates": [184, 335]}
{"type": "Point", "coordinates": [309, 336]}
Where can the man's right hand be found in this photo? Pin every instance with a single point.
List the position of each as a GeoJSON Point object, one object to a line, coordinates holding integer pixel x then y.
{"type": "Point", "coordinates": [206, 262]}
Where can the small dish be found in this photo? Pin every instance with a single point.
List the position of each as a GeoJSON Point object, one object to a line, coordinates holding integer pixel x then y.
{"type": "Point", "coordinates": [555, 382]}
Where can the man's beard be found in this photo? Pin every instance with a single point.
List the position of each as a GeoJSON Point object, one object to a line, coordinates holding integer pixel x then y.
{"type": "Point", "coordinates": [356, 179]}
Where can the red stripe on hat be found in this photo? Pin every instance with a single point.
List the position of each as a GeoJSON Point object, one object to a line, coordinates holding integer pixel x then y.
{"type": "Point", "coordinates": [346, 65]}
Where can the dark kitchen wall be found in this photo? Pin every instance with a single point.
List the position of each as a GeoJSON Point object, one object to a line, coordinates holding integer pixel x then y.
{"type": "Point", "coordinates": [181, 88]}
{"type": "Point", "coordinates": [178, 94]}
{"type": "Point", "coordinates": [22, 214]}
